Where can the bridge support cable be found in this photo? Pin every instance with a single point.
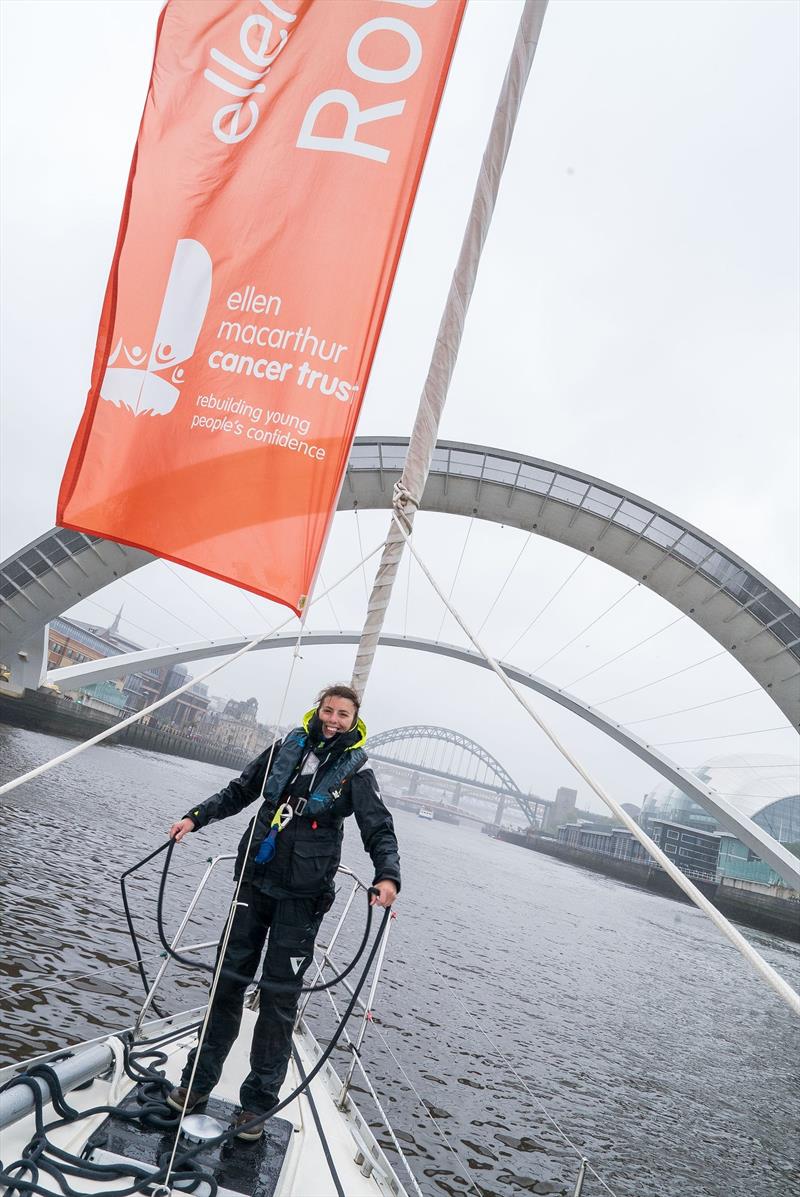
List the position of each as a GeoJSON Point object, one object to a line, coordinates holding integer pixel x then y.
{"type": "Point", "coordinates": [549, 603]}
{"type": "Point", "coordinates": [470, 526]}
{"type": "Point", "coordinates": [667, 677]}
{"type": "Point", "coordinates": [714, 702]}
{"type": "Point", "coordinates": [765, 970]}
{"type": "Point", "coordinates": [176, 573]}
{"type": "Point", "coordinates": [505, 583]}
{"type": "Point", "coordinates": [409, 489]}
{"type": "Point", "coordinates": [755, 731]}
{"type": "Point", "coordinates": [336, 619]}
{"type": "Point", "coordinates": [134, 718]}
{"type": "Point", "coordinates": [626, 651]}
{"type": "Point", "coordinates": [584, 630]}
{"type": "Point", "coordinates": [161, 606]}
{"type": "Point", "coordinates": [130, 622]}
{"type": "Point", "coordinates": [361, 554]}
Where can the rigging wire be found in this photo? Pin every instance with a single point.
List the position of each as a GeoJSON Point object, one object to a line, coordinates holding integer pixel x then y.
{"type": "Point", "coordinates": [455, 575]}
{"type": "Point", "coordinates": [177, 574]}
{"type": "Point", "coordinates": [549, 603]}
{"type": "Point", "coordinates": [665, 678]}
{"type": "Point", "coordinates": [137, 715]}
{"type": "Point", "coordinates": [166, 610]}
{"type": "Point", "coordinates": [520, 1079]}
{"type": "Point", "coordinates": [357, 1057]}
{"type": "Point", "coordinates": [583, 631]}
{"type": "Point", "coordinates": [97, 972]}
{"type": "Point", "coordinates": [464, 1167]}
{"type": "Point", "coordinates": [700, 706]}
{"type": "Point", "coordinates": [626, 651]}
{"type": "Point", "coordinates": [505, 583]}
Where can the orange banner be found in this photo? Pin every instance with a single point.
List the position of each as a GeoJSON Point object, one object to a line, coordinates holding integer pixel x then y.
{"type": "Point", "coordinates": [273, 178]}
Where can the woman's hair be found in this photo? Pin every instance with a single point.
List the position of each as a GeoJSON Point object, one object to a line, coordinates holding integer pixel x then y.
{"type": "Point", "coordinates": [339, 690]}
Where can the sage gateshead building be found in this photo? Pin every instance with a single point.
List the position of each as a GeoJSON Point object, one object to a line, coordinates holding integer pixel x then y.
{"type": "Point", "coordinates": [762, 786]}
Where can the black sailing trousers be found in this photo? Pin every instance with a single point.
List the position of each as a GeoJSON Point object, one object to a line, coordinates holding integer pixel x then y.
{"type": "Point", "coordinates": [292, 924]}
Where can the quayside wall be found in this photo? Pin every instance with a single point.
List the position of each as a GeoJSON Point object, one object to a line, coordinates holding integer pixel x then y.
{"type": "Point", "coordinates": [781, 916]}
{"type": "Point", "coordinates": [41, 711]}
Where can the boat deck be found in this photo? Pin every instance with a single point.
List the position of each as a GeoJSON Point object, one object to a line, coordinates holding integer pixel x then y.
{"type": "Point", "coordinates": [290, 1161]}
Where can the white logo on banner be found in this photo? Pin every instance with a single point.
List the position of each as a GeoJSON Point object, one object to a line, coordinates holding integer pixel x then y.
{"type": "Point", "coordinates": [139, 386]}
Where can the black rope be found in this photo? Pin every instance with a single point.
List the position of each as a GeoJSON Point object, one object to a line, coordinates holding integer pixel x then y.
{"type": "Point", "coordinates": [230, 973]}
{"type": "Point", "coordinates": [318, 1124]}
{"type": "Point", "coordinates": [131, 928]}
{"type": "Point", "coordinates": [40, 1155]}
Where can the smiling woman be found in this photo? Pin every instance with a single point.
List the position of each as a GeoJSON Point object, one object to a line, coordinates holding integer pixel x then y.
{"type": "Point", "coordinates": [307, 784]}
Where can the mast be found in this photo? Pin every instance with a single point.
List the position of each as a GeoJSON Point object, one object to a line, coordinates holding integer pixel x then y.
{"type": "Point", "coordinates": [409, 489]}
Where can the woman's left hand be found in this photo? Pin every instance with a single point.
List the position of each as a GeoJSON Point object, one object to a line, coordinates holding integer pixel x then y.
{"type": "Point", "coordinates": [387, 892]}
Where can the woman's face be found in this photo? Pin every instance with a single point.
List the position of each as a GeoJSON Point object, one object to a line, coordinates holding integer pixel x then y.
{"type": "Point", "coordinates": [336, 715]}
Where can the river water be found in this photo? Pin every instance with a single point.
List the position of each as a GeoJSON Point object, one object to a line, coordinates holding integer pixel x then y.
{"type": "Point", "coordinates": [524, 999]}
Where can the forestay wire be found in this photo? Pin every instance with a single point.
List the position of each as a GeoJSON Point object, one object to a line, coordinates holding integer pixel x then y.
{"type": "Point", "coordinates": [409, 489]}
{"type": "Point", "coordinates": [116, 727]}
{"type": "Point", "coordinates": [754, 958]}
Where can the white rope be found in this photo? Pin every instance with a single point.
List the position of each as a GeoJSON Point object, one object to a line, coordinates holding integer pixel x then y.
{"type": "Point", "coordinates": [765, 970]}
{"type": "Point", "coordinates": [408, 492]}
{"type": "Point", "coordinates": [110, 731]}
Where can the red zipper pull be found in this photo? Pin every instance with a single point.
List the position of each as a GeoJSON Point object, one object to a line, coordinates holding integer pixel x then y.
{"type": "Point", "coordinates": [314, 825]}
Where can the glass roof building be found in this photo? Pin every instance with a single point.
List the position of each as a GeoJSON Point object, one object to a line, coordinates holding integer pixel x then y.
{"type": "Point", "coordinates": [762, 786]}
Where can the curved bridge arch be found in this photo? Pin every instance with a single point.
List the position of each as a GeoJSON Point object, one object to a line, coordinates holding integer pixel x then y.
{"type": "Point", "coordinates": [767, 848]}
{"type": "Point", "coordinates": [504, 781]}
{"type": "Point", "coordinates": [753, 620]}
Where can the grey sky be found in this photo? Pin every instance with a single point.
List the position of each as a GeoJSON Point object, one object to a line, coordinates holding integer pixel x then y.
{"type": "Point", "coordinates": [635, 317]}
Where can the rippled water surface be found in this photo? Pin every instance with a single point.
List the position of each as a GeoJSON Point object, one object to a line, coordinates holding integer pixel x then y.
{"type": "Point", "coordinates": [524, 999]}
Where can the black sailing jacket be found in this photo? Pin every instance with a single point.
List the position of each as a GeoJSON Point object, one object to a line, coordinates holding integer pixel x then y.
{"type": "Point", "coordinates": [308, 850]}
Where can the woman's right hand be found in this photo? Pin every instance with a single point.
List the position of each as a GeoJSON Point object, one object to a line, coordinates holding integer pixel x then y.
{"type": "Point", "coordinates": [178, 830]}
